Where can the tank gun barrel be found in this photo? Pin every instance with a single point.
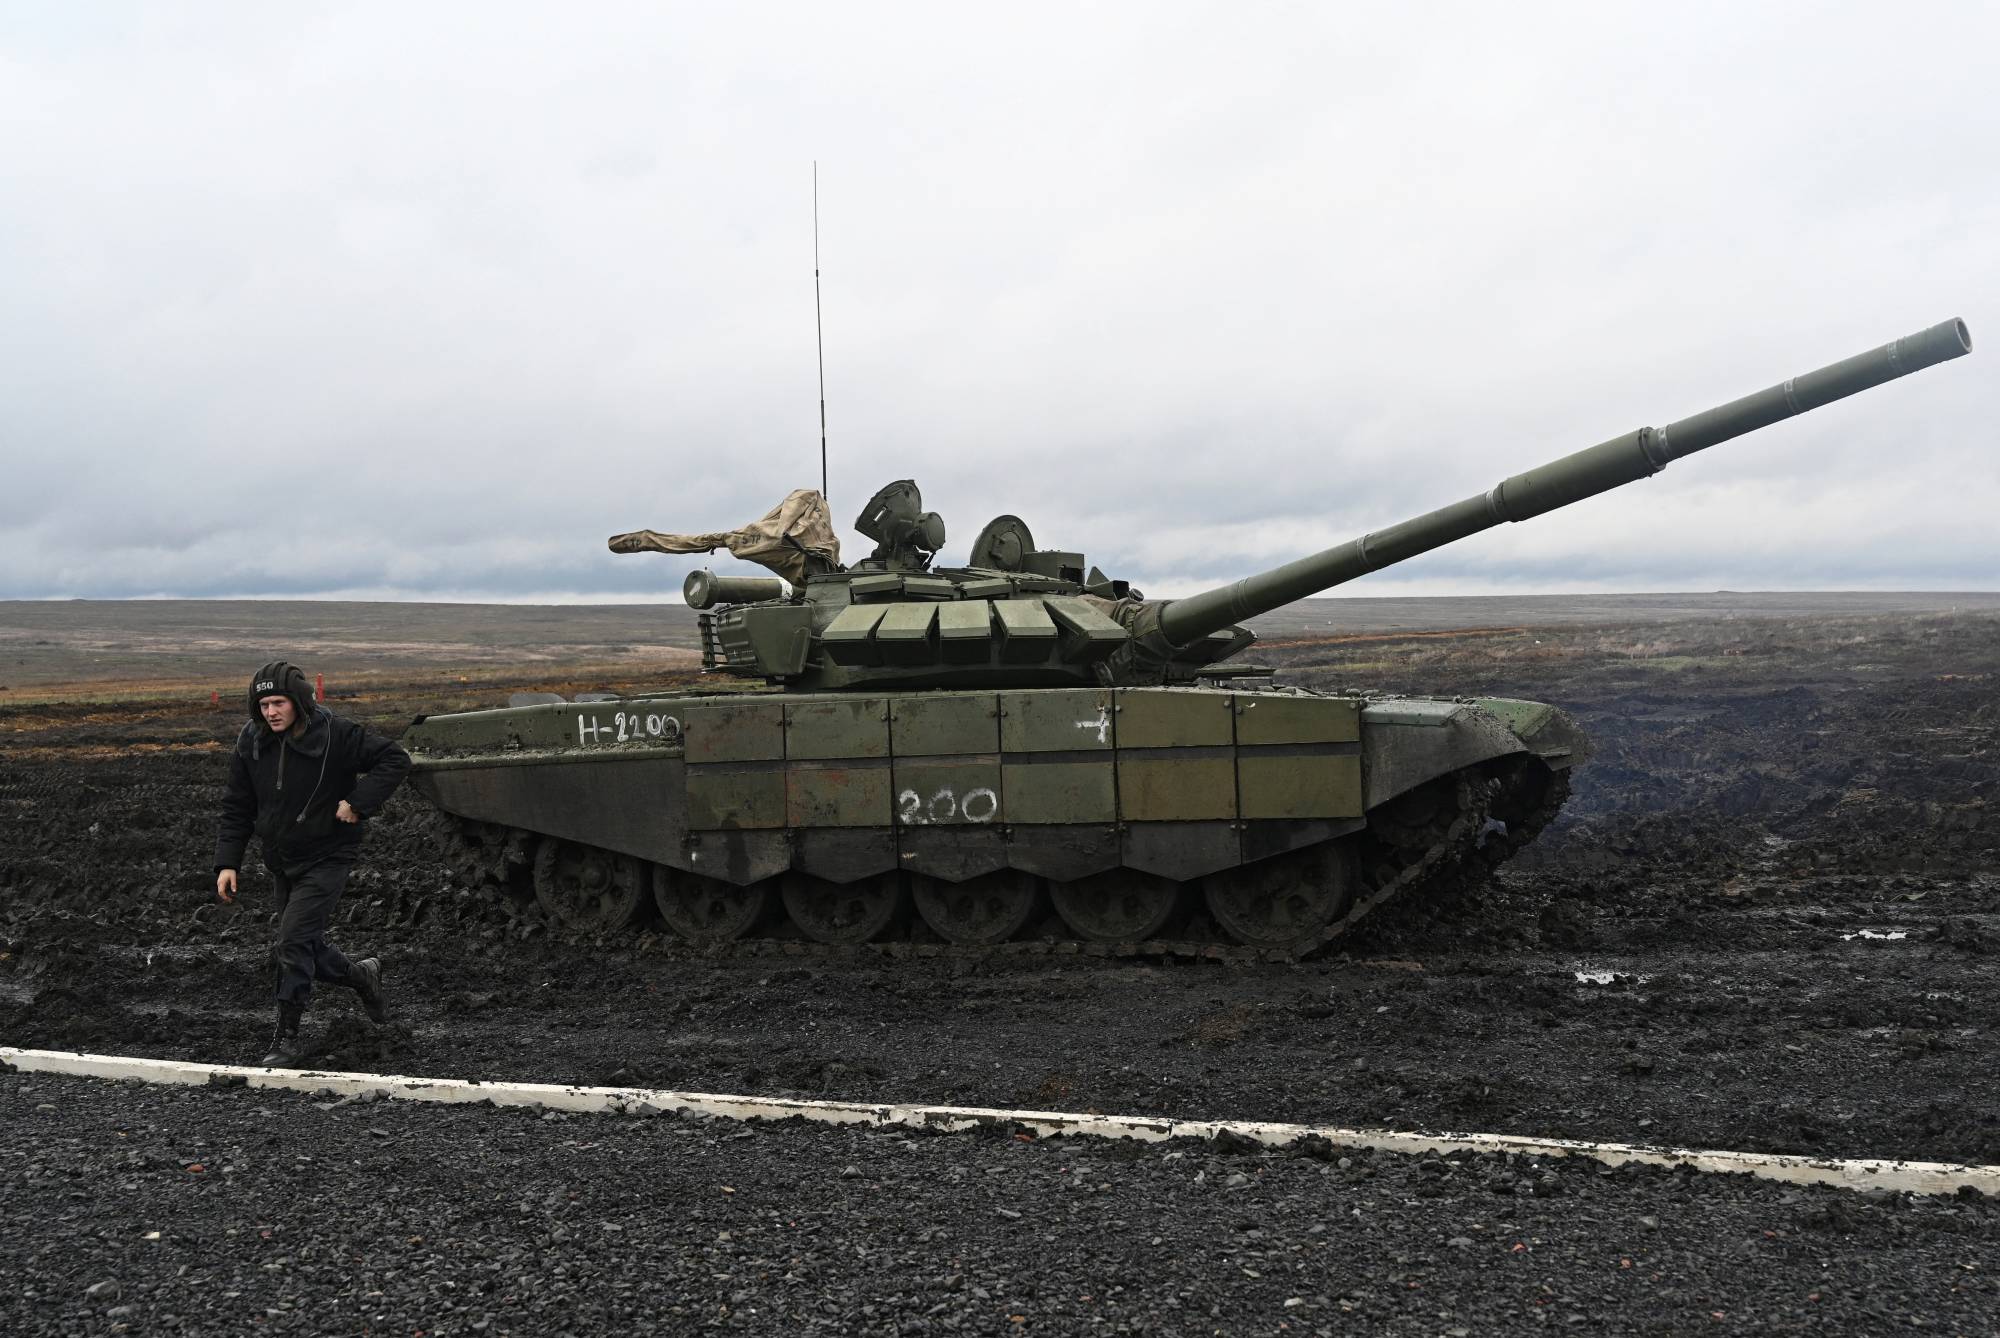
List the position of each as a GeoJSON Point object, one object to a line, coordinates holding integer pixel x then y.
{"type": "Point", "coordinates": [1585, 473]}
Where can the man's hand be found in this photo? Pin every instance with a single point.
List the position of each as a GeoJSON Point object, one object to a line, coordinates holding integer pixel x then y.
{"type": "Point", "coordinates": [225, 884]}
{"type": "Point", "coordinates": [346, 812]}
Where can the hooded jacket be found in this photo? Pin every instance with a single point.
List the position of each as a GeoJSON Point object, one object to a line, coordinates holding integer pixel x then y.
{"type": "Point", "coordinates": [286, 788]}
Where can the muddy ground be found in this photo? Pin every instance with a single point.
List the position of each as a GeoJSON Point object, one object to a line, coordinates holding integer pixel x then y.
{"type": "Point", "coordinates": [1769, 919]}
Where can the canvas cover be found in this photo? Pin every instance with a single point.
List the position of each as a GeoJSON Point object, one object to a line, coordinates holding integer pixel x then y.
{"type": "Point", "coordinates": [794, 539]}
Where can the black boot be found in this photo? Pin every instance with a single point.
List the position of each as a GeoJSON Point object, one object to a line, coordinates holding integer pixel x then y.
{"type": "Point", "coordinates": [368, 984]}
{"type": "Point", "coordinates": [286, 1047]}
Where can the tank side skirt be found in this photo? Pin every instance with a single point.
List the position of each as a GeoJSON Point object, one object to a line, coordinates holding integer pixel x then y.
{"type": "Point", "coordinates": [629, 809]}
{"type": "Point", "coordinates": [1090, 815]}
{"type": "Point", "coordinates": [1455, 854]}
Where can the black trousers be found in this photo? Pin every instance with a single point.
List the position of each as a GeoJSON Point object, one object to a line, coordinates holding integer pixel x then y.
{"type": "Point", "coordinates": [306, 899]}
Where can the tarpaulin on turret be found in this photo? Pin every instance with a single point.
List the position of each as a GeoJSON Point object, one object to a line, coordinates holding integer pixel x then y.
{"type": "Point", "coordinates": [795, 539]}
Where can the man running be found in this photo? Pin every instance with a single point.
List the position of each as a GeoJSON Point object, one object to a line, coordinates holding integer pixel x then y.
{"type": "Point", "coordinates": [304, 780]}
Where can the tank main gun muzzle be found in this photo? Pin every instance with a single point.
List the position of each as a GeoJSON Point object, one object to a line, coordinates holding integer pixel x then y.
{"type": "Point", "coordinates": [1586, 473]}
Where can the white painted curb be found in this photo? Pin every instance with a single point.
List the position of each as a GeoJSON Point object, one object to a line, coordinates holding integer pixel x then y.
{"type": "Point", "coordinates": [1918, 1177]}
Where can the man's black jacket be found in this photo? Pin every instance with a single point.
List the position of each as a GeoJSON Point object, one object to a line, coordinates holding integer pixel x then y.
{"type": "Point", "coordinates": [285, 788]}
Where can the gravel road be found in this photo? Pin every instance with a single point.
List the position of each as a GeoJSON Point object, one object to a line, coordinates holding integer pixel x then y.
{"type": "Point", "coordinates": [188, 1209]}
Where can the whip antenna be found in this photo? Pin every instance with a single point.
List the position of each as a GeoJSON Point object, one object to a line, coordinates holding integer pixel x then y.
{"type": "Point", "coordinates": [819, 335]}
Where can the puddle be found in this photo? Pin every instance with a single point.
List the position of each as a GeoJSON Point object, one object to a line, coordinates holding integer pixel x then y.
{"type": "Point", "coordinates": [1885, 935]}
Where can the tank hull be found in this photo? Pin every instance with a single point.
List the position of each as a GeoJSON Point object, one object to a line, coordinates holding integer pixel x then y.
{"type": "Point", "coordinates": [1068, 788]}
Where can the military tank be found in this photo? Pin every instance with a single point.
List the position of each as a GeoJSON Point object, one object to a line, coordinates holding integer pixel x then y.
{"type": "Point", "coordinates": [897, 752]}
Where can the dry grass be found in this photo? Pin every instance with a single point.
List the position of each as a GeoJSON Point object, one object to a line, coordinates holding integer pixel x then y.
{"type": "Point", "coordinates": [454, 686]}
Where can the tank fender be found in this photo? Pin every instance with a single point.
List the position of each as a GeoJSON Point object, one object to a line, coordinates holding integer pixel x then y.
{"type": "Point", "coordinates": [1548, 731]}
{"type": "Point", "coordinates": [1409, 741]}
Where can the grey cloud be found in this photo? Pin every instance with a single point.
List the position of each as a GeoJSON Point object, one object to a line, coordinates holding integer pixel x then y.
{"type": "Point", "coordinates": [416, 301]}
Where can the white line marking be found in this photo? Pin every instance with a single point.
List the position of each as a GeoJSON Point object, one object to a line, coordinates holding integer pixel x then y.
{"type": "Point", "coordinates": [1101, 725]}
{"type": "Point", "coordinates": [1918, 1177]}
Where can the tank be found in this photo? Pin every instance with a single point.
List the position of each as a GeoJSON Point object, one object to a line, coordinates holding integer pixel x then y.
{"type": "Point", "coordinates": [909, 755]}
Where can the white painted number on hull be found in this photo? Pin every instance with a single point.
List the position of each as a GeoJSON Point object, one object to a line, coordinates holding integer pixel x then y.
{"type": "Point", "coordinates": [627, 727]}
{"type": "Point", "coordinates": [913, 810]}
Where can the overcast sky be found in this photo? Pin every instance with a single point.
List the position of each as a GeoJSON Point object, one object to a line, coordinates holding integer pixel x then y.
{"type": "Point", "coordinates": [424, 301]}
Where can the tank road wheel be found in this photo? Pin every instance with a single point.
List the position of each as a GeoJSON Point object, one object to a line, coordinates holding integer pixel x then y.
{"type": "Point", "coordinates": [857, 912]}
{"type": "Point", "coordinates": [1417, 819]}
{"type": "Point", "coordinates": [475, 850]}
{"type": "Point", "coordinates": [1286, 901]}
{"type": "Point", "coordinates": [706, 911]}
{"type": "Point", "coordinates": [588, 888]}
{"type": "Point", "coordinates": [991, 908]}
{"type": "Point", "coordinates": [1118, 906]}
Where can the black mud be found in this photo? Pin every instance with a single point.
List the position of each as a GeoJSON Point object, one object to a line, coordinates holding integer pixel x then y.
{"type": "Point", "coordinates": [1769, 919]}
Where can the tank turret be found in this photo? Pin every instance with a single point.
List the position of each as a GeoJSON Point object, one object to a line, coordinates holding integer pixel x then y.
{"type": "Point", "coordinates": [1019, 616]}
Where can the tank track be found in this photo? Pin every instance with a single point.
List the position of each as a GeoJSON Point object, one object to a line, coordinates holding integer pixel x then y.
{"type": "Point", "coordinates": [1458, 850]}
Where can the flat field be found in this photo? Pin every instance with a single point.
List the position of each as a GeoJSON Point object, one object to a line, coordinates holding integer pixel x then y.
{"type": "Point", "coordinates": [1769, 919]}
